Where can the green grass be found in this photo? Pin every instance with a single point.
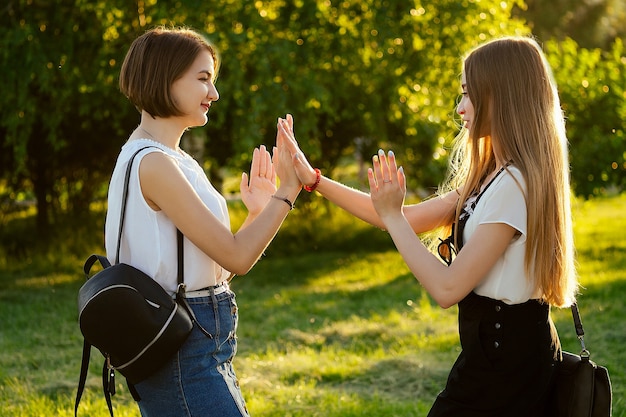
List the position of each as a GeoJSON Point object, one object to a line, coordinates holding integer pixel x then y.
{"type": "Point", "coordinates": [332, 324]}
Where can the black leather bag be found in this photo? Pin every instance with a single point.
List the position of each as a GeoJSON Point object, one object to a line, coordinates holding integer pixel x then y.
{"type": "Point", "coordinates": [130, 318]}
{"type": "Point", "coordinates": [581, 388]}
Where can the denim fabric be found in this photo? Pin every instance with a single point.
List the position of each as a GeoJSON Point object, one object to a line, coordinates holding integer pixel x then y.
{"type": "Point", "coordinates": [200, 379]}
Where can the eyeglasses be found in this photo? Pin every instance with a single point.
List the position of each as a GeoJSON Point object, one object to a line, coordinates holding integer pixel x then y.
{"type": "Point", "coordinates": [446, 250]}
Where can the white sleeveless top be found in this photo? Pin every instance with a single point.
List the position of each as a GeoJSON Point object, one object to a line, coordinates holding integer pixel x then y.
{"type": "Point", "coordinates": [504, 202]}
{"type": "Point", "coordinates": [149, 236]}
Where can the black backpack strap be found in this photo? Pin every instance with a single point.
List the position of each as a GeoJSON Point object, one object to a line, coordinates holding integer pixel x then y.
{"type": "Point", "coordinates": [108, 384]}
{"type": "Point", "coordinates": [108, 374]}
{"type": "Point", "coordinates": [180, 291]}
{"type": "Point", "coordinates": [84, 367]}
{"type": "Point", "coordinates": [92, 260]}
{"type": "Point", "coordinates": [124, 200]}
{"type": "Point", "coordinates": [580, 332]}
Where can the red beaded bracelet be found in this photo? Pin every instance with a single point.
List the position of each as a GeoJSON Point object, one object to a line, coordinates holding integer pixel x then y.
{"type": "Point", "coordinates": [318, 177]}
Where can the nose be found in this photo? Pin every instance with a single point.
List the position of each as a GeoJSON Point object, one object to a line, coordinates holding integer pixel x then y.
{"type": "Point", "coordinates": [212, 94]}
{"type": "Point", "coordinates": [460, 109]}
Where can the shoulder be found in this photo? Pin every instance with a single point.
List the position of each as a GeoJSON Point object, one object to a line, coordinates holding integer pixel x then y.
{"type": "Point", "coordinates": [144, 147]}
{"type": "Point", "coordinates": [148, 153]}
{"type": "Point", "coordinates": [505, 200]}
{"type": "Point", "coordinates": [510, 182]}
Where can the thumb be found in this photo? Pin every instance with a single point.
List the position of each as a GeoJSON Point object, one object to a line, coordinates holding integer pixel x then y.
{"type": "Point", "coordinates": [372, 181]}
{"type": "Point", "coordinates": [401, 178]}
{"type": "Point", "coordinates": [243, 185]}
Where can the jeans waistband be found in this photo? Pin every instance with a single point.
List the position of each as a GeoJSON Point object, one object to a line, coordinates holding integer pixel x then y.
{"type": "Point", "coordinates": [206, 292]}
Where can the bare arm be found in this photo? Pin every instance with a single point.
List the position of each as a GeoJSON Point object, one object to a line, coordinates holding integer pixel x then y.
{"type": "Point", "coordinates": [447, 285]}
{"type": "Point", "coordinates": [432, 213]}
{"type": "Point", "coordinates": [422, 217]}
{"type": "Point", "coordinates": [356, 202]}
{"type": "Point", "coordinates": [165, 187]}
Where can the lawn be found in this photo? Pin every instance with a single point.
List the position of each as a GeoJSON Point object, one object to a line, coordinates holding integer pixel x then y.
{"type": "Point", "coordinates": [332, 324]}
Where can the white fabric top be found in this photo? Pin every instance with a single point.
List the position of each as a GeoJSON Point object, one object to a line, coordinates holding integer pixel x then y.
{"type": "Point", "coordinates": [149, 236]}
{"type": "Point", "coordinates": [503, 202]}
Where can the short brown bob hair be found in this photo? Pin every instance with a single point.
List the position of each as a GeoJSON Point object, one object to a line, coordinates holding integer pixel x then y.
{"type": "Point", "coordinates": [154, 61]}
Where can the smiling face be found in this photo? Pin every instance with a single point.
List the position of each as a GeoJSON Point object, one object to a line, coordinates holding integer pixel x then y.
{"type": "Point", "coordinates": [194, 91]}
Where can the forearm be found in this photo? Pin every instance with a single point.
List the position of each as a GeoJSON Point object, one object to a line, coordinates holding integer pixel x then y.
{"type": "Point", "coordinates": [434, 276]}
{"type": "Point", "coordinates": [431, 213]}
{"type": "Point", "coordinates": [356, 202]}
{"type": "Point", "coordinates": [258, 230]}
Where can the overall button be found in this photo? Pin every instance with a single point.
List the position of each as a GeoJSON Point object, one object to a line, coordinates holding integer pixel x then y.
{"type": "Point", "coordinates": [498, 308]}
{"type": "Point", "coordinates": [496, 345]}
{"type": "Point", "coordinates": [498, 326]}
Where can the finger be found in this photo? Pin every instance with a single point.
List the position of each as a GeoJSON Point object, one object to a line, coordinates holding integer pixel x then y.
{"type": "Point", "coordinates": [290, 121]}
{"type": "Point", "coordinates": [401, 179]}
{"type": "Point", "coordinates": [262, 161]}
{"type": "Point", "coordinates": [296, 159]}
{"type": "Point", "coordinates": [243, 185]}
{"type": "Point", "coordinates": [384, 167]}
{"type": "Point", "coordinates": [377, 170]}
{"type": "Point", "coordinates": [279, 133]}
{"type": "Point", "coordinates": [254, 168]}
{"type": "Point", "coordinates": [272, 174]}
{"type": "Point", "coordinates": [286, 129]}
{"type": "Point", "coordinates": [289, 141]}
{"type": "Point", "coordinates": [393, 167]}
{"type": "Point", "coordinates": [371, 178]}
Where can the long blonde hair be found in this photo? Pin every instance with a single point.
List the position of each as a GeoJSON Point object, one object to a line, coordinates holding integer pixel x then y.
{"type": "Point", "coordinates": [515, 99]}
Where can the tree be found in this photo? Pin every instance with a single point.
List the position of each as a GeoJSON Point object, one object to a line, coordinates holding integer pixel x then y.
{"type": "Point", "coordinates": [60, 105]}
{"type": "Point", "coordinates": [382, 72]}
{"type": "Point", "coordinates": [357, 75]}
{"type": "Point", "coordinates": [347, 70]}
{"type": "Point", "coordinates": [592, 86]}
{"type": "Point", "coordinates": [591, 23]}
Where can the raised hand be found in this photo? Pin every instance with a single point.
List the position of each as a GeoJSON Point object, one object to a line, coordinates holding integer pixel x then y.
{"type": "Point", "coordinates": [304, 170]}
{"type": "Point", "coordinates": [282, 158]}
{"type": "Point", "coordinates": [387, 185]}
{"type": "Point", "coordinates": [257, 190]}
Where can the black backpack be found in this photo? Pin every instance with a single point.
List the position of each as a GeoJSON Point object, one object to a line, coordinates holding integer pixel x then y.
{"type": "Point", "coordinates": [130, 318]}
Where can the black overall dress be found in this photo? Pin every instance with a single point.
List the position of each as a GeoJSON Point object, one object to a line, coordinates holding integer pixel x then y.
{"type": "Point", "coordinates": [507, 359]}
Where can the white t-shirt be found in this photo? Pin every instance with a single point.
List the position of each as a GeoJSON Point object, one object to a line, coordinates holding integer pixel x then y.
{"type": "Point", "coordinates": [149, 236]}
{"type": "Point", "coordinates": [503, 202]}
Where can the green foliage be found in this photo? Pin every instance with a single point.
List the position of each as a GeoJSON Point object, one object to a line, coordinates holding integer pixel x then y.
{"type": "Point", "coordinates": [592, 89]}
{"type": "Point", "coordinates": [58, 110]}
{"type": "Point", "coordinates": [324, 332]}
{"type": "Point", "coordinates": [347, 70]}
{"type": "Point", "coordinates": [357, 75]}
{"type": "Point", "coordinates": [591, 23]}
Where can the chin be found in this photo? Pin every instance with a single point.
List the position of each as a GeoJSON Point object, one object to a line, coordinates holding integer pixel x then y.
{"type": "Point", "coordinates": [200, 121]}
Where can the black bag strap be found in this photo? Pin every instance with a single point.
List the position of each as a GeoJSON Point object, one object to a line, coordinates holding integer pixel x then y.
{"type": "Point", "coordinates": [108, 373]}
{"type": "Point", "coordinates": [83, 374]}
{"type": "Point", "coordinates": [124, 200]}
{"type": "Point", "coordinates": [108, 383]}
{"type": "Point", "coordinates": [181, 263]}
{"type": "Point", "coordinates": [180, 291]}
{"type": "Point", "coordinates": [84, 367]}
{"type": "Point", "coordinates": [580, 332]}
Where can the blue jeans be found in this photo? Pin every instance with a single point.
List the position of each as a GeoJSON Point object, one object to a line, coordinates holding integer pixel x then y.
{"type": "Point", "coordinates": [200, 379]}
